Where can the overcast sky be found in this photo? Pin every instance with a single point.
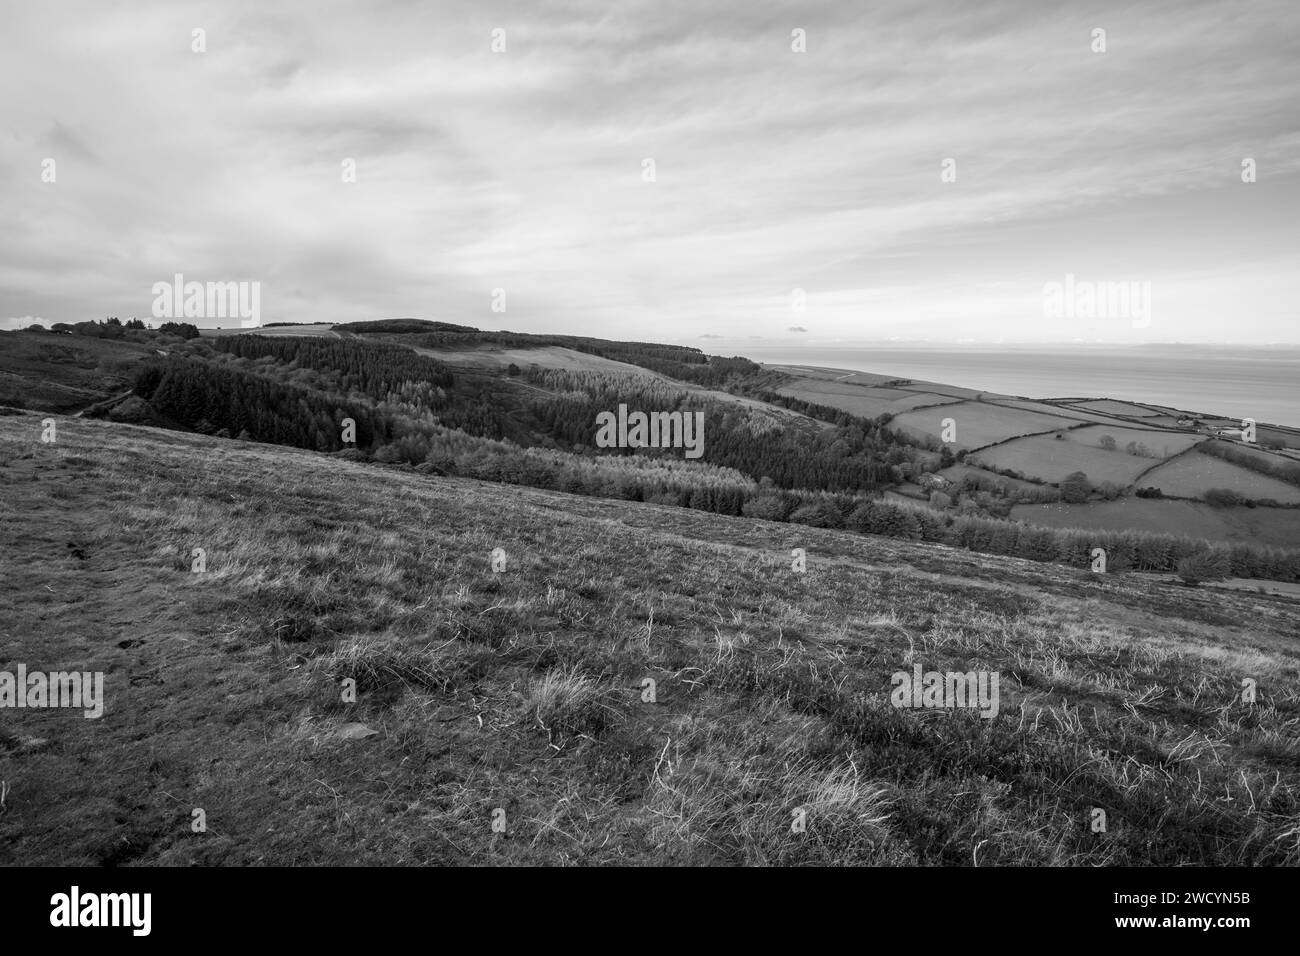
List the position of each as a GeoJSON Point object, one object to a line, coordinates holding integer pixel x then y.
{"type": "Point", "coordinates": [523, 170]}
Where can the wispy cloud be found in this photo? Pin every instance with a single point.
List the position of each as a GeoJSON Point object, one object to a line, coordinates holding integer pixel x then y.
{"type": "Point", "coordinates": [773, 170]}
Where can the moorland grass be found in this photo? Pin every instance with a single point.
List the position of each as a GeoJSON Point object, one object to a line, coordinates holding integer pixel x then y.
{"type": "Point", "coordinates": [525, 691]}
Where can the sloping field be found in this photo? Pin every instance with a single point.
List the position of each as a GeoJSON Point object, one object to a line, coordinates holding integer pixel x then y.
{"type": "Point", "coordinates": [1072, 412]}
{"type": "Point", "coordinates": [1184, 412]}
{"type": "Point", "coordinates": [865, 401]}
{"type": "Point", "coordinates": [1191, 476]}
{"type": "Point", "coordinates": [857, 402]}
{"type": "Point", "coordinates": [65, 372]}
{"type": "Point", "coordinates": [1165, 444]}
{"type": "Point", "coordinates": [1277, 527]}
{"type": "Point", "coordinates": [955, 473]}
{"type": "Point", "coordinates": [1110, 407]}
{"type": "Point", "coordinates": [524, 697]}
{"type": "Point", "coordinates": [952, 391]}
{"type": "Point", "coordinates": [978, 423]}
{"type": "Point", "coordinates": [1288, 437]}
{"type": "Point", "coordinates": [924, 399]}
{"type": "Point", "coordinates": [549, 356]}
{"type": "Point", "coordinates": [1263, 454]}
{"type": "Point", "coordinates": [1051, 458]}
{"type": "Point", "coordinates": [833, 374]}
{"type": "Point", "coordinates": [1170, 416]}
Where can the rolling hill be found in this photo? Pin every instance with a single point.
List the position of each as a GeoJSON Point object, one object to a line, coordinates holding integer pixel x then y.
{"type": "Point", "coordinates": [63, 373]}
{"type": "Point", "coordinates": [502, 640]}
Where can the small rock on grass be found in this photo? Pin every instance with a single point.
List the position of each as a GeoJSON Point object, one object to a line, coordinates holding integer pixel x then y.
{"type": "Point", "coordinates": [355, 732]}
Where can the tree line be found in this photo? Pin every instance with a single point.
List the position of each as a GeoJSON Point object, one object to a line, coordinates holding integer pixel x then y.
{"type": "Point", "coordinates": [373, 368]}
{"type": "Point", "coordinates": [226, 400]}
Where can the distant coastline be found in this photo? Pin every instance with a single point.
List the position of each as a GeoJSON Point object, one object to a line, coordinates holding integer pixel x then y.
{"type": "Point", "coordinates": [1255, 383]}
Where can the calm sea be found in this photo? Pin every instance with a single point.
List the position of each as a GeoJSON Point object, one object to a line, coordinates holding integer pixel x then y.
{"type": "Point", "coordinates": [1263, 384]}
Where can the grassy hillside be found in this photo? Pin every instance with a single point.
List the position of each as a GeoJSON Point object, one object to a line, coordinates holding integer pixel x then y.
{"type": "Point", "coordinates": [523, 690]}
{"type": "Point", "coordinates": [62, 373]}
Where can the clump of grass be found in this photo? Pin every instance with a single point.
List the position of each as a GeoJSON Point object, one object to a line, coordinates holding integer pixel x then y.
{"type": "Point", "coordinates": [378, 665]}
{"type": "Point", "coordinates": [779, 795]}
{"type": "Point", "coordinates": [291, 629]}
{"type": "Point", "coordinates": [62, 492]}
{"type": "Point", "coordinates": [565, 702]}
{"type": "Point", "coordinates": [840, 792]}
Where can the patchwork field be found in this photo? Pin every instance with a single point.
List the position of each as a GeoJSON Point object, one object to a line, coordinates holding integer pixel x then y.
{"type": "Point", "coordinates": [978, 423]}
{"type": "Point", "coordinates": [1111, 407]}
{"type": "Point", "coordinates": [1072, 412]}
{"type": "Point", "coordinates": [1192, 475]}
{"type": "Point", "coordinates": [1277, 527]}
{"type": "Point", "coordinates": [1051, 459]}
{"type": "Point", "coordinates": [952, 391]}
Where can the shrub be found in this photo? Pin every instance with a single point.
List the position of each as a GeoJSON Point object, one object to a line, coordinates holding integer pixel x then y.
{"type": "Point", "coordinates": [862, 519]}
{"type": "Point", "coordinates": [1222, 497]}
{"type": "Point", "coordinates": [769, 507]}
{"type": "Point", "coordinates": [819, 515]}
{"type": "Point", "coordinates": [1203, 566]}
{"type": "Point", "coordinates": [1110, 490]}
{"type": "Point", "coordinates": [185, 330]}
{"type": "Point", "coordinates": [1075, 488]}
